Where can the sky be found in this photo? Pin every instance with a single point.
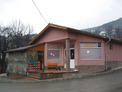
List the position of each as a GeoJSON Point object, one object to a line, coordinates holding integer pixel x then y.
{"type": "Point", "coordinates": [78, 14]}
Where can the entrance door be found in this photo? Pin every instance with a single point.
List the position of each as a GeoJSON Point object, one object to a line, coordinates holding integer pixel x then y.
{"type": "Point", "coordinates": [72, 59]}
{"type": "Point", "coordinates": [41, 59]}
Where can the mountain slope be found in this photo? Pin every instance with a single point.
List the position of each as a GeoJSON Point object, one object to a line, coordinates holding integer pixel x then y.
{"type": "Point", "coordinates": [115, 24]}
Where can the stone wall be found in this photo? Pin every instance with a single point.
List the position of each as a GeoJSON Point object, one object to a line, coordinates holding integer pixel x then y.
{"type": "Point", "coordinates": [98, 68]}
{"type": "Point", "coordinates": [32, 55]}
{"type": "Point", "coordinates": [114, 64]}
{"type": "Point", "coordinates": [90, 68]}
{"type": "Point", "coordinates": [16, 76]}
{"type": "Point", "coordinates": [17, 63]}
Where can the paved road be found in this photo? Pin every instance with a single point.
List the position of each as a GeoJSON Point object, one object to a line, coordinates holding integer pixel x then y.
{"type": "Point", "coordinates": [111, 82]}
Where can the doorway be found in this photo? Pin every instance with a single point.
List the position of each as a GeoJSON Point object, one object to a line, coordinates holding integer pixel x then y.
{"type": "Point", "coordinates": [41, 59]}
{"type": "Point", "coordinates": [72, 58]}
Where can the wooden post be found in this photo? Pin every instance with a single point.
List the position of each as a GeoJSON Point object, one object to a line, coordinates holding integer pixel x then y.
{"type": "Point", "coordinates": [67, 43]}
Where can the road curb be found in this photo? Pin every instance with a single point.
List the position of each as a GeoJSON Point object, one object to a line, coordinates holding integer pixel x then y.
{"type": "Point", "coordinates": [4, 79]}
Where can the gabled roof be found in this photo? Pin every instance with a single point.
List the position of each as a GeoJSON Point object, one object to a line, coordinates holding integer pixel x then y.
{"type": "Point", "coordinates": [64, 28]}
{"type": "Point", "coordinates": [72, 30]}
{"type": "Point", "coordinates": [48, 26]}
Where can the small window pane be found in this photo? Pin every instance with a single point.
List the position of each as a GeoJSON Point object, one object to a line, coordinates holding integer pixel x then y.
{"type": "Point", "coordinates": [72, 54]}
{"type": "Point", "coordinates": [56, 47]}
{"type": "Point", "coordinates": [89, 44]}
{"type": "Point", "coordinates": [110, 46]}
{"type": "Point", "coordinates": [99, 44]}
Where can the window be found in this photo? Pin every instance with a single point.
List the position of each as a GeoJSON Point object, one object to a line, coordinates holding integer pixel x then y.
{"type": "Point", "coordinates": [90, 51]}
{"type": "Point", "coordinates": [53, 52]}
{"type": "Point", "coordinates": [110, 46]}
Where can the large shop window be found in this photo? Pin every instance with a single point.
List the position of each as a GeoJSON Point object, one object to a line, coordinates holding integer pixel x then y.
{"type": "Point", "coordinates": [90, 51]}
{"type": "Point", "coordinates": [53, 52]}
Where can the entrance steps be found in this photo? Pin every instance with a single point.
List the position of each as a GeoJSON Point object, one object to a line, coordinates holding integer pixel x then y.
{"type": "Point", "coordinates": [33, 76]}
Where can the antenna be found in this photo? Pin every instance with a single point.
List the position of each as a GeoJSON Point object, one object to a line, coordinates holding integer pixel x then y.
{"type": "Point", "coordinates": [39, 11]}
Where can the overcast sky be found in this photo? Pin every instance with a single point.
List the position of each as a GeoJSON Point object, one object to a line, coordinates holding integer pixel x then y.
{"type": "Point", "coordinates": [78, 14]}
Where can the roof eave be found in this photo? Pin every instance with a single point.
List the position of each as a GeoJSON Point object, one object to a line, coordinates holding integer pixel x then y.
{"type": "Point", "coordinates": [49, 25]}
{"type": "Point", "coordinates": [68, 29]}
{"type": "Point", "coordinates": [23, 48]}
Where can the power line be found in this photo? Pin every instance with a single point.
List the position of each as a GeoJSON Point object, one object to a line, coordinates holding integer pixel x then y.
{"type": "Point", "coordinates": [39, 11]}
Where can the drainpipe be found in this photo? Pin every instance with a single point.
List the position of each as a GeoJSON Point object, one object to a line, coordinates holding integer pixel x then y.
{"type": "Point", "coordinates": [106, 54]}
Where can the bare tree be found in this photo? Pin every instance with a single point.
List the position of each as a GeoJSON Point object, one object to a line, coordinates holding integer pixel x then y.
{"type": "Point", "coordinates": [20, 34]}
{"type": "Point", "coordinates": [118, 32]}
{"type": "Point", "coordinates": [13, 36]}
{"type": "Point", "coordinates": [108, 30]}
{"type": "Point", "coordinates": [3, 46]}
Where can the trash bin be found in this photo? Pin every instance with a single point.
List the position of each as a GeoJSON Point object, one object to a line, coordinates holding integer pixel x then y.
{"type": "Point", "coordinates": [7, 74]}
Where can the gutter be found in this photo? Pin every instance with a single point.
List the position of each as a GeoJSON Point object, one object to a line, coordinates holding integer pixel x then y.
{"type": "Point", "coordinates": [106, 63]}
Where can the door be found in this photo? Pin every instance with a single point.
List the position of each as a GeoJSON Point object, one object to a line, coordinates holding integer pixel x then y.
{"type": "Point", "coordinates": [72, 59]}
{"type": "Point", "coordinates": [41, 59]}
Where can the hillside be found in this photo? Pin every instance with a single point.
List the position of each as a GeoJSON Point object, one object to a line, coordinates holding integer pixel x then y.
{"type": "Point", "coordinates": [115, 24]}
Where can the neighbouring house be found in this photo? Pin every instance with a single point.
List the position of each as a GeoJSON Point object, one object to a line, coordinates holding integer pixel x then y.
{"type": "Point", "coordinates": [58, 50]}
{"type": "Point", "coordinates": [118, 38]}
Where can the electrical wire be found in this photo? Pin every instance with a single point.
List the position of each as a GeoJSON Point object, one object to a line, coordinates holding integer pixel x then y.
{"type": "Point", "coordinates": [39, 11]}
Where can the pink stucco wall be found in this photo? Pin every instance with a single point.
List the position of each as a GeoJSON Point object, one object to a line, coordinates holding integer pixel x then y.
{"type": "Point", "coordinates": [114, 54]}
{"type": "Point", "coordinates": [53, 35]}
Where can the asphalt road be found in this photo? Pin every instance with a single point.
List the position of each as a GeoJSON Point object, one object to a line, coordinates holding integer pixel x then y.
{"type": "Point", "coordinates": [111, 82]}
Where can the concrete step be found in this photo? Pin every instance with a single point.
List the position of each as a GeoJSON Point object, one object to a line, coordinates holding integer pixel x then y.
{"type": "Point", "coordinates": [16, 76]}
{"type": "Point", "coordinates": [33, 75]}
{"type": "Point", "coordinates": [28, 78]}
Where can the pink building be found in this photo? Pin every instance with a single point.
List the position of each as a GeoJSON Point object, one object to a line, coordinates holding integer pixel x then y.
{"type": "Point", "coordinates": [78, 50]}
{"type": "Point", "coordinates": [68, 49]}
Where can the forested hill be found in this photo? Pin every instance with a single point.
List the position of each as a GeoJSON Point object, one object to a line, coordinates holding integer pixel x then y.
{"type": "Point", "coordinates": [115, 24]}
